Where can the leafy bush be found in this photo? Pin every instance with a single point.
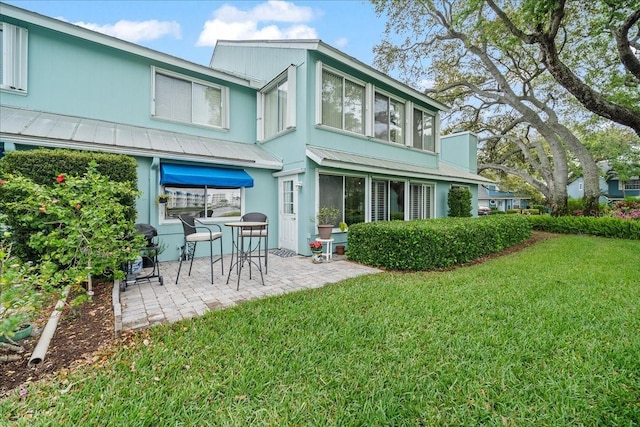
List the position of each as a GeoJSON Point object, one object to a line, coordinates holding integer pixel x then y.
{"type": "Point", "coordinates": [23, 289]}
{"type": "Point", "coordinates": [42, 166]}
{"type": "Point", "coordinates": [76, 223]}
{"type": "Point", "coordinates": [459, 200]}
{"type": "Point", "coordinates": [541, 208]}
{"type": "Point", "coordinates": [602, 226]}
{"type": "Point", "coordinates": [627, 209]}
{"type": "Point", "coordinates": [431, 244]}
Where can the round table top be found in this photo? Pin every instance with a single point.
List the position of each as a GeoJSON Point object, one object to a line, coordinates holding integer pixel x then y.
{"type": "Point", "coordinates": [246, 224]}
{"type": "Point", "coordinates": [318, 239]}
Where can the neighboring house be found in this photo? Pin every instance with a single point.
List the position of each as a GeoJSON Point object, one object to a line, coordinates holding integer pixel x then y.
{"type": "Point", "coordinates": [575, 189]}
{"type": "Point", "coordinates": [618, 190]}
{"type": "Point", "coordinates": [489, 196]}
{"type": "Point", "coordinates": [280, 127]}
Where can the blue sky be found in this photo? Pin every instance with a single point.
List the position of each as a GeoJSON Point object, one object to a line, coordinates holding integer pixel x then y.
{"type": "Point", "coordinates": [188, 29]}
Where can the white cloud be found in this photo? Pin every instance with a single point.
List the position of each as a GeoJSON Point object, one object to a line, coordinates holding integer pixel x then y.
{"type": "Point", "coordinates": [260, 22]}
{"type": "Point", "coordinates": [426, 84]}
{"type": "Point", "coordinates": [341, 42]}
{"type": "Point", "coordinates": [136, 31]}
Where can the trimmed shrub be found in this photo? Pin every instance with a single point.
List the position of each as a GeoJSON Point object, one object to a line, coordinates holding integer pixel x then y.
{"type": "Point", "coordinates": [594, 226]}
{"type": "Point", "coordinates": [431, 244]}
{"type": "Point", "coordinates": [43, 165]}
{"type": "Point", "coordinates": [459, 200]}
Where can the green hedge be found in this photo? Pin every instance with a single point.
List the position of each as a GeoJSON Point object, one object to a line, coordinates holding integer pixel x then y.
{"type": "Point", "coordinates": [594, 226]}
{"type": "Point", "coordinates": [431, 244]}
{"type": "Point", "coordinates": [42, 166]}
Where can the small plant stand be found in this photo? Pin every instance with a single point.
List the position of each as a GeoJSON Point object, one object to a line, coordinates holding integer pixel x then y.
{"type": "Point", "coordinates": [328, 243]}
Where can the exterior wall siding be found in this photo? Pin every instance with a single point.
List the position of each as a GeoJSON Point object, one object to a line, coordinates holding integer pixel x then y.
{"type": "Point", "coordinates": [79, 78]}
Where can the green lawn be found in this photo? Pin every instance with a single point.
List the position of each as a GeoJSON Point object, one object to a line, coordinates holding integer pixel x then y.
{"type": "Point", "coordinates": [547, 336]}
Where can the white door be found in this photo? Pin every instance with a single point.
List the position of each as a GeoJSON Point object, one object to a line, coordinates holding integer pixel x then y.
{"type": "Point", "coordinates": [288, 208]}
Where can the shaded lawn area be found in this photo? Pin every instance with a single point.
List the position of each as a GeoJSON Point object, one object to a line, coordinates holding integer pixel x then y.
{"type": "Point", "coordinates": [546, 336]}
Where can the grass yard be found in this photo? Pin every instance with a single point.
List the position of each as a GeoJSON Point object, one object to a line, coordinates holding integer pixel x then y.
{"type": "Point", "coordinates": [548, 336]}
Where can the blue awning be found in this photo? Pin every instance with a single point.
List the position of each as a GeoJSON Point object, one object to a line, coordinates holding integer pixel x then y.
{"type": "Point", "coordinates": [185, 175]}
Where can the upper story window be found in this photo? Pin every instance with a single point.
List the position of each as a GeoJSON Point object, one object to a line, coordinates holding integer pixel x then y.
{"type": "Point", "coordinates": [423, 130]}
{"type": "Point", "coordinates": [388, 119]}
{"type": "Point", "coordinates": [13, 57]}
{"type": "Point", "coordinates": [275, 109]}
{"type": "Point", "coordinates": [276, 104]}
{"type": "Point", "coordinates": [346, 103]}
{"type": "Point", "coordinates": [186, 100]}
{"type": "Point", "coordinates": [343, 102]}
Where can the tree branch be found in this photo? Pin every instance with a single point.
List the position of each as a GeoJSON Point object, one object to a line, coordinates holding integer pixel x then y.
{"type": "Point", "coordinates": [627, 58]}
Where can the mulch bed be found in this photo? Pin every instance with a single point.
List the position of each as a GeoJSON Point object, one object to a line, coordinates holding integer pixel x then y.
{"type": "Point", "coordinates": [82, 330]}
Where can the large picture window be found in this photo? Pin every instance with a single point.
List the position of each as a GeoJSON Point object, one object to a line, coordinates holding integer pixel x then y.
{"type": "Point", "coordinates": [388, 119]}
{"type": "Point", "coordinates": [13, 57]}
{"type": "Point", "coordinates": [203, 202]}
{"type": "Point", "coordinates": [347, 193]}
{"type": "Point", "coordinates": [184, 100]}
{"type": "Point", "coordinates": [423, 130]}
{"type": "Point", "coordinates": [343, 102]}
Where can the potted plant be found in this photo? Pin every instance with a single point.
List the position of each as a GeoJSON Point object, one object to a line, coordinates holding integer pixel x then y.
{"type": "Point", "coordinates": [316, 247]}
{"type": "Point", "coordinates": [19, 299]}
{"type": "Point", "coordinates": [162, 198]}
{"type": "Point", "coordinates": [327, 217]}
{"type": "Point", "coordinates": [316, 252]}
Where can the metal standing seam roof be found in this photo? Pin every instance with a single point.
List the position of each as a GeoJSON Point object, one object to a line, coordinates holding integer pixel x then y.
{"type": "Point", "coordinates": [344, 160]}
{"type": "Point", "coordinates": [54, 130]}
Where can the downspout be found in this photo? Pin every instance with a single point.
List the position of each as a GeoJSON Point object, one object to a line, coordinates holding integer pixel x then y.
{"type": "Point", "coordinates": [49, 330]}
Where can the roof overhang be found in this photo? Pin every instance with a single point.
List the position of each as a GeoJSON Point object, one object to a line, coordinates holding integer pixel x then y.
{"type": "Point", "coordinates": [42, 129]}
{"type": "Point", "coordinates": [356, 162]}
{"type": "Point", "coordinates": [105, 40]}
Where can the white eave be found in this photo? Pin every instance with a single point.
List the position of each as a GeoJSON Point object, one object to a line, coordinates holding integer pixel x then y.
{"type": "Point", "coordinates": [357, 162]}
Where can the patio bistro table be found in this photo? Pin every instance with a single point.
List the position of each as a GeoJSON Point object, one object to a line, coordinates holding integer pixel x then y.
{"type": "Point", "coordinates": [244, 254]}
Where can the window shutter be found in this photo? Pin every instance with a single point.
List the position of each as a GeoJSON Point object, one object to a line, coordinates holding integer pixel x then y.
{"type": "Point", "coordinates": [379, 210]}
{"type": "Point", "coordinates": [14, 57]}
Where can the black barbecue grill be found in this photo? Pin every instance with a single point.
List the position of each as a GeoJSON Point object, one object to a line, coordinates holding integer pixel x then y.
{"type": "Point", "coordinates": [150, 268]}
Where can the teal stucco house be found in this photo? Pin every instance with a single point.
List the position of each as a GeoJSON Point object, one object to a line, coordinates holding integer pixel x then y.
{"type": "Point", "coordinates": [282, 127]}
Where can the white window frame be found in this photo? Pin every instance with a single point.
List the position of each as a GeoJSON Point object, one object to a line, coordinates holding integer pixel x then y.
{"type": "Point", "coordinates": [15, 53]}
{"type": "Point", "coordinates": [320, 67]}
{"type": "Point", "coordinates": [427, 206]}
{"type": "Point", "coordinates": [344, 176]}
{"type": "Point", "coordinates": [435, 130]}
{"type": "Point", "coordinates": [288, 76]}
{"type": "Point", "coordinates": [390, 99]}
{"type": "Point", "coordinates": [224, 98]}
{"type": "Point", "coordinates": [631, 185]}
